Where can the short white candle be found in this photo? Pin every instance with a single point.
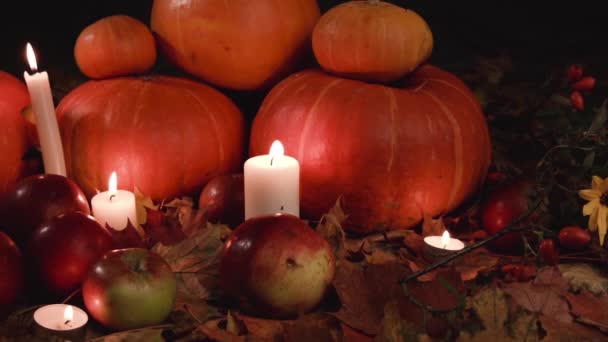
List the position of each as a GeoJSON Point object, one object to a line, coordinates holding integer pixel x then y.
{"type": "Point", "coordinates": [114, 207]}
{"type": "Point", "coordinates": [46, 120]}
{"type": "Point", "coordinates": [439, 247]}
{"type": "Point", "coordinates": [444, 242]}
{"type": "Point", "coordinates": [60, 317]}
{"type": "Point", "coordinates": [272, 183]}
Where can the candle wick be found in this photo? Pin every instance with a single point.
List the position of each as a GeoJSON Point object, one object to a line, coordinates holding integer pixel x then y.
{"type": "Point", "coordinates": [282, 208]}
{"type": "Point", "coordinates": [445, 246]}
{"type": "Point", "coordinates": [271, 160]}
{"type": "Point", "coordinates": [67, 322]}
{"type": "Point", "coordinates": [112, 196]}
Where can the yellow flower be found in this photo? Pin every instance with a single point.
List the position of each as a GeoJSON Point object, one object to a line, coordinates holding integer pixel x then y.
{"type": "Point", "coordinates": [597, 208]}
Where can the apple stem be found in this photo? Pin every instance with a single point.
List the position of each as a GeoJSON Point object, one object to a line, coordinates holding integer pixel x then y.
{"type": "Point", "coordinates": [513, 227]}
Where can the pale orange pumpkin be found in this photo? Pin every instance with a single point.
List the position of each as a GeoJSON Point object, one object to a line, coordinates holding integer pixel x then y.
{"type": "Point", "coordinates": [237, 44]}
{"type": "Point", "coordinates": [115, 46]}
{"type": "Point", "coordinates": [371, 40]}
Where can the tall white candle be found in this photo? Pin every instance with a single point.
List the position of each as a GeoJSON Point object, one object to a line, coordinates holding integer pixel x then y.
{"type": "Point", "coordinates": [114, 207]}
{"type": "Point", "coordinates": [272, 183]}
{"type": "Point", "coordinates": [46, 120]}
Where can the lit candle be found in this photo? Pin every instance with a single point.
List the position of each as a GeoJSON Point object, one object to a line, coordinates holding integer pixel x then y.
{"type": "Point", "coordinates": [114, 207]}
{"type": "Point", "coordinates": [437, 247]}
{"type": "Point", "coordinates": [46, 120]}
{"type": "Point", "coordinates": [61, 320]}
{"type": "Point", "coordinates": [272, 183]}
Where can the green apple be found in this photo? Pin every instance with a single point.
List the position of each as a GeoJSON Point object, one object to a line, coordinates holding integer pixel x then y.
{"type": "Point", "coordinates": [130, 288]}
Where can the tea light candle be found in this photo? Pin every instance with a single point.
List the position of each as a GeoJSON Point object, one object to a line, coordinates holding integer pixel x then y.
{"type": "Point", "coordinates": [437, 247]}
{"type": "Point", "coordinates": [61, 320]}
{"type": "Point", "coordinates": [272, 183]}
{"type": "Point", "coordinates": [46, 121]}
{"type": "Point", "coordinates": [114, 207]}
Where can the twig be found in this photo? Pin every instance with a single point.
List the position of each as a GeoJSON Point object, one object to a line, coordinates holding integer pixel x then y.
{"type": "Point", "coordinates": [511, 228]}
{"type": "Point", "coordinates": [77, 291]}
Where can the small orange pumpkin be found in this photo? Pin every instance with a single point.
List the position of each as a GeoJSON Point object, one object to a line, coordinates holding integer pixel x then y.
{"type": "Point", "coordinates": [371, 40]}
{"type": "Point", "coordinates": [114, 46]}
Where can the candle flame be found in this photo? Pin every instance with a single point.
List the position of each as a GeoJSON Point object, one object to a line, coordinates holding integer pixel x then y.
{"type": "Point", "coordinates": [445, 239]}
{"type": "Point", "coordinates": [68, 313]}
{"type": "Point", "coordinates": [31, 57]}
{"type": "Point", "coordinates": [277, 150]}
{"type": "Point", "coordinates": [113, 186]}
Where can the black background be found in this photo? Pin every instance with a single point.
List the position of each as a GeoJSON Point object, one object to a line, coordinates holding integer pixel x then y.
{"type": "Point", "coordinates": [539, 33]}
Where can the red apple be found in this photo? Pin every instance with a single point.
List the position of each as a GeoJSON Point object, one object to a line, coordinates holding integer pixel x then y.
{"type": "Point", "coordinates": [36, 199]}
{"type": "Point", "coordinates": [224, 200]}
{"type": "Point", "coordinates": [503, 206]}
{"type": "Point", "coordinates": [30, 126]}
{"type": "Point", "coordinates": [129, 289]}
{"type": "Point", "coordinates": [277, 264]}
{"type": "Point", "coordinates": [62, 250]}
{"type": "Point", "coordinates": [11, 273]}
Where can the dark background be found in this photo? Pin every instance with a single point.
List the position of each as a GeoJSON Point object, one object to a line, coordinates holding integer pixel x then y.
{"type": "Point", "coordinates": [536, 33]}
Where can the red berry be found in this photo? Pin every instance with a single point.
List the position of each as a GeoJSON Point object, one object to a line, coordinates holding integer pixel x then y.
{"type": "Point", "coordinates": [575, 72]}
{"type": "Point", "coordinates": [576, 100]}
{"type": "Point", "coordinates": [548, 252]}
{"type": "Point", "coordinates": [584, 84]}
{"type": "Point", "coordinates": [574, 238]}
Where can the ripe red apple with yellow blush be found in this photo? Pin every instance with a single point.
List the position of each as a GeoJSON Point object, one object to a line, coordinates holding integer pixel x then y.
{"type": "Point", "coordinates": [277, 266]}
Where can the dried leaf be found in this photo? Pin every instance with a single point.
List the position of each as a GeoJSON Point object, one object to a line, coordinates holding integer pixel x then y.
{"type": "Point", "coordinates": [351, 335]}
{"type": "Point", "coordinates": [143, 202]}
{"type": "Point", "coordinates": [584, 277]}
{"type": "Point", "coordinates": [431, 226]}
{"type": "Point", "coordinates": [235, 325]}
{"type": "Point", "coordinates": [380, 256]}
{"type": "Point", "coordinates": [358, 289]}
{"type": "Point", "coordinates": [544, 295]}
{"type": "Point", "coordinates": [569, 332]}
{"type": "Point", "coordinates": [212, 330]}
{"type": "Point", "coordinates": [321, 328]}
{"type": "Point", "coordinates": [266, 329]}
{"type": "Point", "coordinates": [590, 309]}
{"type": "Point", "coordinates": [490, 306]}
{"type": "Point", "coordinates": [394, 328]}
{"type": "Point", "coordinates": [149, 334]}
{"type": "Point", "coordinates": [414, 243]}
{"type": "Point", "coordinates": [127, 238]}
{"type": "Point", "coordinates": [330, 226]}
{"type": "Point", "coordinates": [162, 228]}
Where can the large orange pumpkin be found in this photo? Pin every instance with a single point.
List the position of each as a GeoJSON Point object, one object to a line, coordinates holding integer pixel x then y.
{"type": "Point", "coordinates": [115, 46]}
{"type": "Point", "coordinates": [371, 40]}
{"type": "Point", "coordinates": [238, 44]}
{"type": "Point", "coordinates": [13, 143]}
{"type": "Point", "coordinates": [166, 136]}
{"type": "Point", "coordinates": [392, 153]}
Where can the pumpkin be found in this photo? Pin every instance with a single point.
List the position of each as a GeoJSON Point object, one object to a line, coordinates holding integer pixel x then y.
{"type": "Point", "coordinates": [237, 44]}
{"type": "Point", "coordinates": [391, 153]}
{"type": "Point", "coordinates": [371, 40]}
{"type": "Point", "coordinates": [13, 142]}
{"type": "Point", "coordinates": [114, 46]}
{"type": "Point", "coordinates": [165, 136]}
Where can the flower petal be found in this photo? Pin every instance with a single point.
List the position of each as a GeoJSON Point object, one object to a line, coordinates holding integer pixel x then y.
{"type": "Point", "coordinates": [593, 219]}
{"type": "Point", "coordinates": [602, 223]}
{"type": "Point", "coordinates": [604, 186]}
{"type": "Point", "coordinates": [589, 194]}
{"type": "Point", "coordinates": [591, 206]}
{"type": "Point", "coordinates": [596, 181]}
